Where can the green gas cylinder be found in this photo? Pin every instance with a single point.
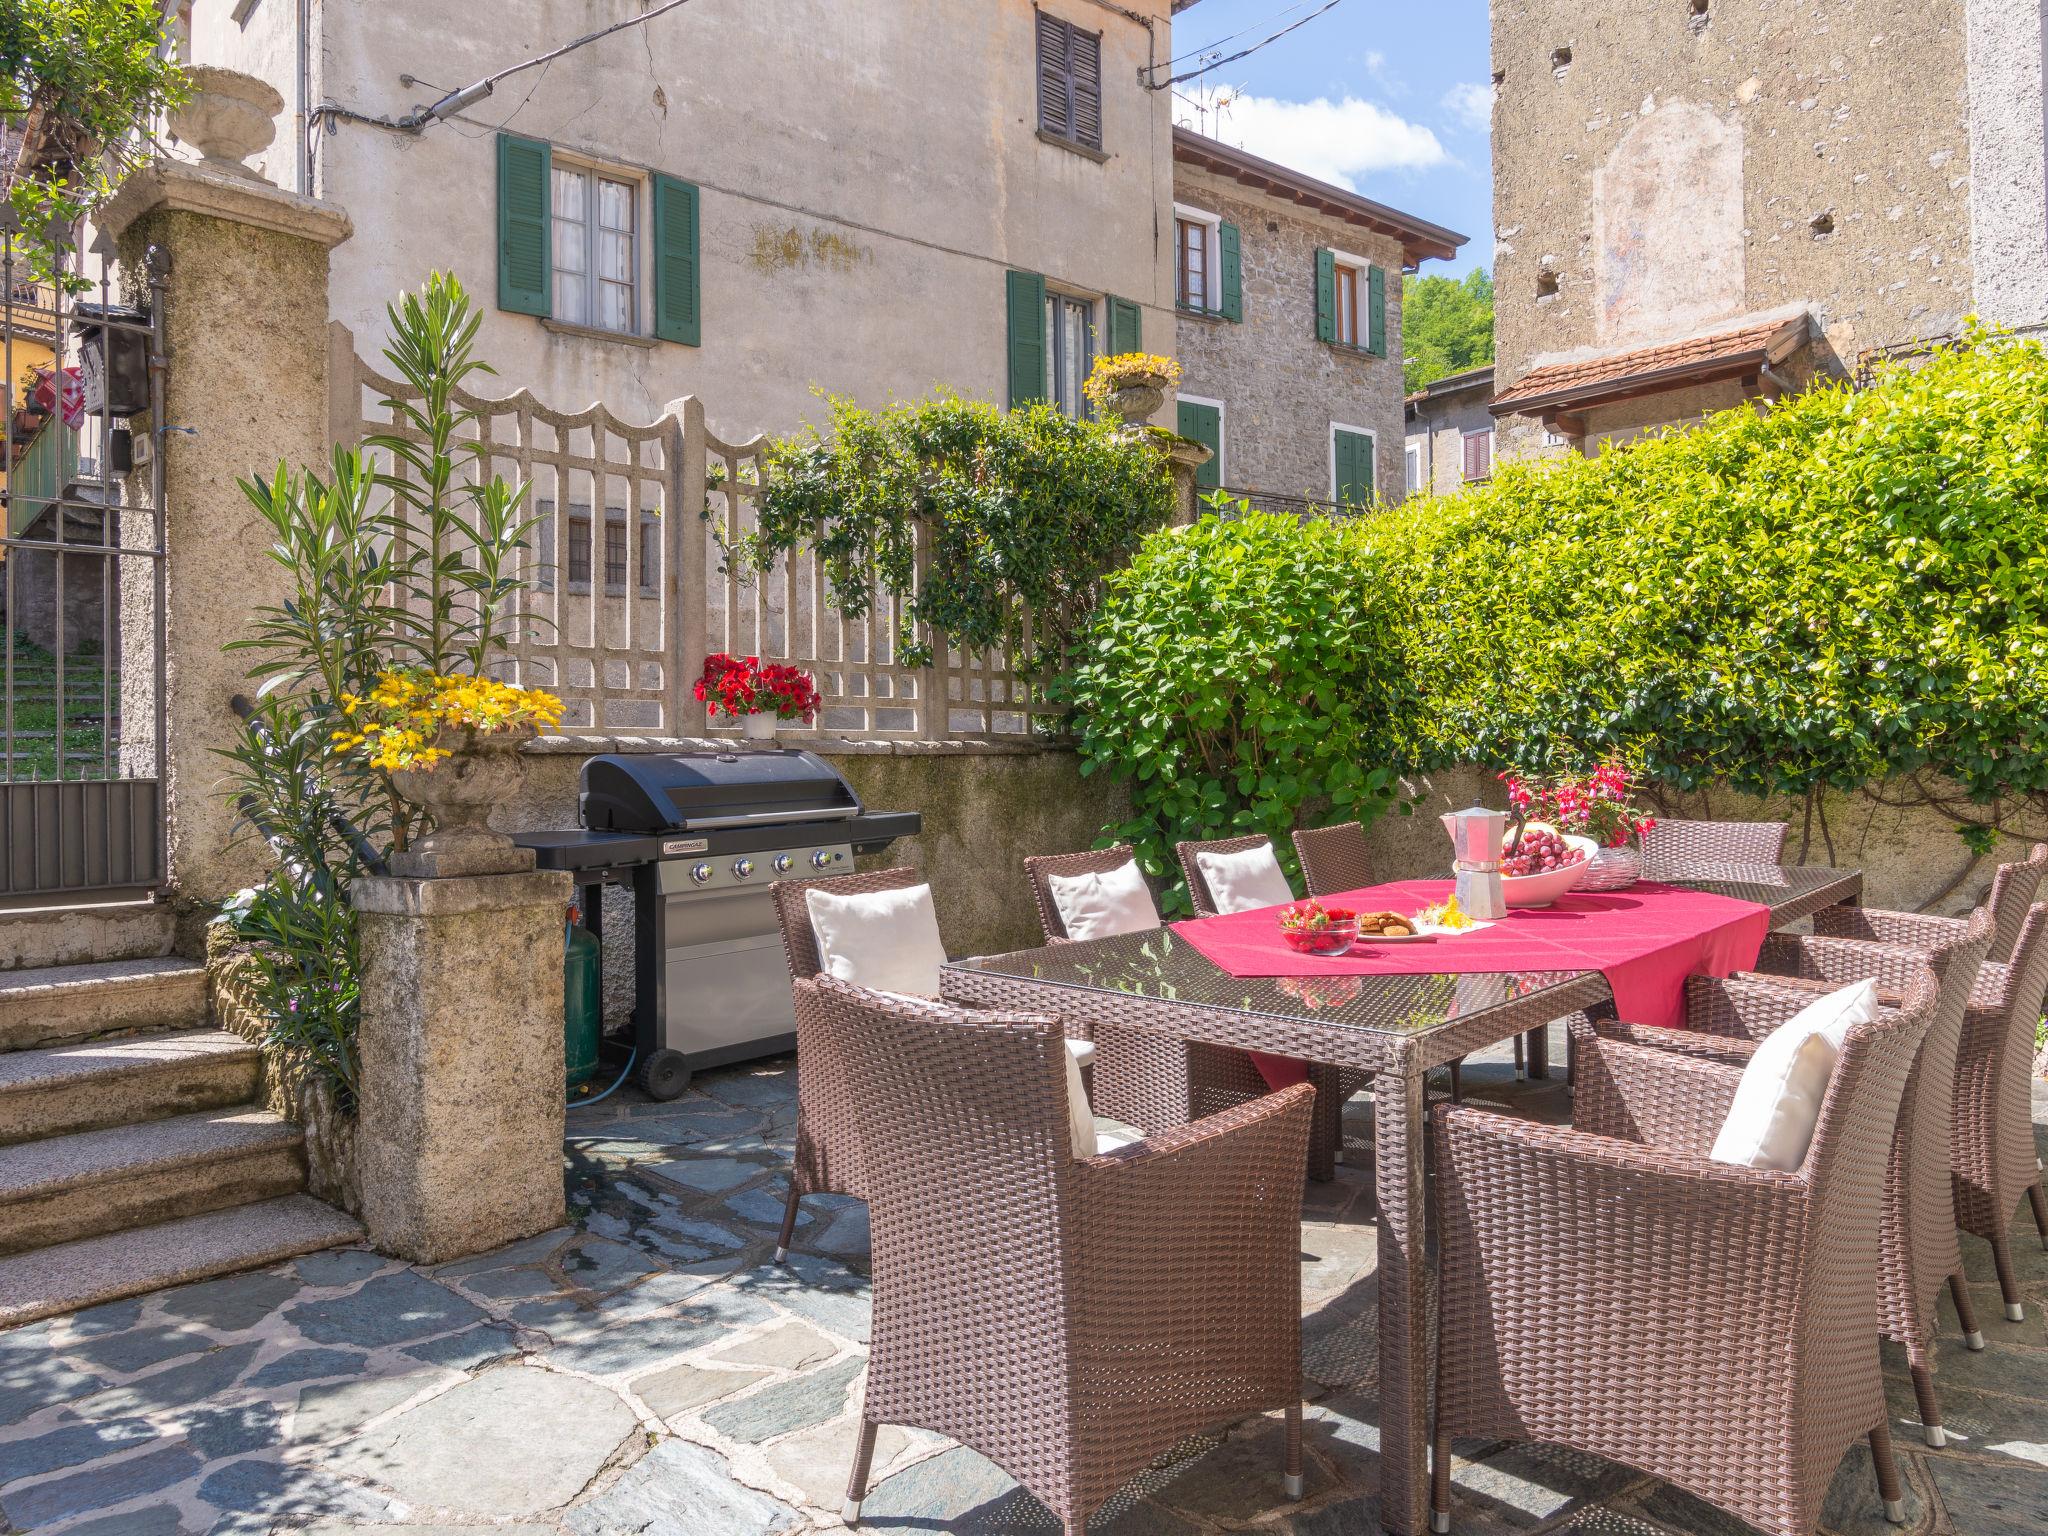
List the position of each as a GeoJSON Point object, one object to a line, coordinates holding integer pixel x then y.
{"type": "Point", "coordinates": [582, 1002]}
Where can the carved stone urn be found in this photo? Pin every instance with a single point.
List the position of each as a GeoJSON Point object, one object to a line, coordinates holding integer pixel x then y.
{"type": "Point", "coordinates": [1137, 401]}
{"type": "Point", "coordinates": [228, 117]}
{"type": "Point", "coordinates": [482, 769]}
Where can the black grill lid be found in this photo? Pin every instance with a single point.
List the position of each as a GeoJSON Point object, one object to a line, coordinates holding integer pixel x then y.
{"type": "Point", "coordinates": [704, 791]}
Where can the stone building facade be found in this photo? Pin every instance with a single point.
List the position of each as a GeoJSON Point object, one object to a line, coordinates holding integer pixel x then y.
{"type": "Point", "coordinates": [1305, 405]}
{"type": "Point", "coordinates": [1450, 433]}
{"type": "Point", "coordinates": [1701, 202]}
{"type": "Point", "coordinates": [846, 189]}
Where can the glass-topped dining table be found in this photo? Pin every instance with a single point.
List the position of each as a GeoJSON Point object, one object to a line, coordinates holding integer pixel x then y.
{"type": "Point", "coordinates": [1396, 1027]}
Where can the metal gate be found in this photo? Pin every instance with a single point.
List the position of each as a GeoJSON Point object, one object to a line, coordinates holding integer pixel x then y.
{"type": "Point", "coordinates": [82, 736]}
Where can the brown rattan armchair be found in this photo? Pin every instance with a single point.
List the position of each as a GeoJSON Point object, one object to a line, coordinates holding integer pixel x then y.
{"type": "Point", "coordinates": [1071, 1320]}
{"type": "Point", "coordinates": [1333, 1087]}
{"type": "Point", "coordinates": [1610, 1288]}
{"type": "Point", "coordinates": [1145, 1080]}
{"type": "Point", "coordinates": [1917, 1249]}
{"type": "Point", "coordinates": [1674, 847]}
{"type": "Point", "coordinates": [1992, 1155]}
{"type": "Point", "coordinates": [827, 1160]}
{"type": "Point", "coordinates": [2013, 889]}
{"type": "Point", "coordinates": [1334, 859]}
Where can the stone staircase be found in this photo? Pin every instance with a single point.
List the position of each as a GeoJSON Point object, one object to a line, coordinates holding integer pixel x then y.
{"type": "Point", "coordinates": [132, 1152]}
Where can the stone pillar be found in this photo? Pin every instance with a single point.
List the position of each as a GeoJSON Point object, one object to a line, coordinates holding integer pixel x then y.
{"type": "Point", "coordinates": [1184, 456]}
{"type": "Point", "coordinates": [460, 1117]}
{"type": "Point", "coordinates": [245, 385]}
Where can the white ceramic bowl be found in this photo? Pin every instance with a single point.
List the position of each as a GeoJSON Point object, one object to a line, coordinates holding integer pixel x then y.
{"type": "Point", "coordinates": [1541, 890]}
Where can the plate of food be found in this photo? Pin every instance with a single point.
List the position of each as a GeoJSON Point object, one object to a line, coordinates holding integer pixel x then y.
{"type": "Point", "coordinates": [1391, 928]}
{"type": "Point", "coordinates": [1447, 919]}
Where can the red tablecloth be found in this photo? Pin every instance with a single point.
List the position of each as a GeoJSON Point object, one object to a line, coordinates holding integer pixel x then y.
{"type": "Point", "coordinates": [1645, 940]}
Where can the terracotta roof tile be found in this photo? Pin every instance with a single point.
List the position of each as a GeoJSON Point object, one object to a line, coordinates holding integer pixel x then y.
{"type": "Point", "coordinates": [1694, 355]}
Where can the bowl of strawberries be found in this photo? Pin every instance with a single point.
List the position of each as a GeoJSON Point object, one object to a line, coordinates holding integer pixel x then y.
{"type": "Point", "coordinates": [1310, 928]}
{"type": "Point", "coordinates": [1543, 865]}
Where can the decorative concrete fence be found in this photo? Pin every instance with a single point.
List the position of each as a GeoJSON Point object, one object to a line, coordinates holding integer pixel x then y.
{"type": "Point", "coordinates": [628, 589]}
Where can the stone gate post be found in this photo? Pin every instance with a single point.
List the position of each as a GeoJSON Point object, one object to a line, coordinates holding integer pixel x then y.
{"type": "Point", "coordinates": [245, 385]}
{"type": "Point", "coordinates": [460, 1125]}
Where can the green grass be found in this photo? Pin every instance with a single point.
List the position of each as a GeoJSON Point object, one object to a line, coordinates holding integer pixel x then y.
{"type": "Point", "coordinates": [37, 728]}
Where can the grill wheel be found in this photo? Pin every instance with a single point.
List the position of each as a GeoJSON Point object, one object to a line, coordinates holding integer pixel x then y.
{"type": "Point", "coordinates": [665, 1074]}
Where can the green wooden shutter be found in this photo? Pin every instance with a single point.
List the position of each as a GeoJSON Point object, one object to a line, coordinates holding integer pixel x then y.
{"type": "Point", "coordinates": [1203, 423]}
{"type": "Point", "coordinates": [1026, 307]}
{"type": "Point", "coordinates": [678, 307]}
{"type": "Point", "coordinates": [525, 275]}
{"type": "Point", "coordinates": [1126, 326]}
{"type": "Point", "coordinates": [1326, 295]}
{"type": "Point", "coordinates": [1353, 469]}
{"type": "Point", "coordinates": [1376, 311]}
{"type": "Point", "coordinates": [1227, 243]}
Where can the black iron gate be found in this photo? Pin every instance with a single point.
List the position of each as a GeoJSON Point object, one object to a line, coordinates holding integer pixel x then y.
{"type": "Point", "coordinates": [82, 688]}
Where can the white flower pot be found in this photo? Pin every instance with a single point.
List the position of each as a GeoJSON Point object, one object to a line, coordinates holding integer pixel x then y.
{"type": "Point", "coordinates": [759, 727]}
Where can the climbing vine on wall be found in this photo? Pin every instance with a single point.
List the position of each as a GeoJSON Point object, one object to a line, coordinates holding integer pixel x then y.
{"type": "Point", "coordinates": [1017, 513]}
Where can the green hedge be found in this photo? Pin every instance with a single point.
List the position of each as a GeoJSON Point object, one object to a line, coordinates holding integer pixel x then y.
{"type": "Point", "coordinates": [1850, 588]}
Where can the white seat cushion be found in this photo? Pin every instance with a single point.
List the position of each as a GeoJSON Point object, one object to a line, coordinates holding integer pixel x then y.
{"type": "Point", "coordinates": [1094, 906]}
{"type": "Point", "coordinates": [1083, 1051]}
{"type": "Point", "coordinates": [884, 940]}
{"type": "Point", "coordinates": [1080, 1119]}
{"type": "Point", "coordinates": [1777, 1103]}
{"type": "Point", "coordinates": [1239, 882]}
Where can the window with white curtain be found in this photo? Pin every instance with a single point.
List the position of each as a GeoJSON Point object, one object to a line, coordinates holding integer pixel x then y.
{"type": "Point", "coordinates": [595, 252]}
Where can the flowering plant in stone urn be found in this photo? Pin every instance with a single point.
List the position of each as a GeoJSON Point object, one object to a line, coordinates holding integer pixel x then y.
{"type": "Point", "coordinates": [1598, 806]}
{"type": "Point", "coordinates": [449, 743]}
{"type": "Point", "coordinates": [757, 696]}
{"type": "Point", "coordinates": [1130, 386]}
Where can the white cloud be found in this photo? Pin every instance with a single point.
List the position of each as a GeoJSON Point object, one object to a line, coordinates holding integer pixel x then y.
{"type": "Point", "coordinates": [1471, 105]}
{"type": "Point", "coordinates": [1334, 141]}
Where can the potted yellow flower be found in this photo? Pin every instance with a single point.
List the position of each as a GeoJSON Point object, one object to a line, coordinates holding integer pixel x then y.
{"type": "Point", "coordinates": [450, 745]}
{"type": "Point", "coordinates": [1130, 386]}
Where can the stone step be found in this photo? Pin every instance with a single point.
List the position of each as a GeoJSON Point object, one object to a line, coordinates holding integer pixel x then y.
{"type": "Point", "coordinates": [78, 934]}
{"type": "Point", "coordinates": [71, 1088]}
{"type": "Point", "coordinates": [83, 1274]}
{"type": "Point", "coordinates": [62, 1004]}
{"type": "Point", "coordinates": [66, 1188]}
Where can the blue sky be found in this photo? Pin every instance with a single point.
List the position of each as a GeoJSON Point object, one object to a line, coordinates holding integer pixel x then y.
{"type": "Point", "coordinates": [1387, 97]}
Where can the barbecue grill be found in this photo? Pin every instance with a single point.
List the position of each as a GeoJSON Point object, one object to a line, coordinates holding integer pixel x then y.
{"type": "Point", "coordinates": [698, 837]}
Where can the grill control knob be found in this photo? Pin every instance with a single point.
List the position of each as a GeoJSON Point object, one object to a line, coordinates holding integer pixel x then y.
{"type": "Point", "coordinates": [820, 859]}
{"type": "Point", "coordinates": [742, 868]}
{"type": "Point", "coordinates": [700, 873]}
{"type": "Point", "coordinates": [783, 863]}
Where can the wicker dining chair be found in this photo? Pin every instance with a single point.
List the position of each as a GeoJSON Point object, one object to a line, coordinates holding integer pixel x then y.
{"type": "Point", "coordinates": [1334, 859]}
{"type": "Point", "coordinates": [1673, 847]}
{"type": "Point", "coordinates": [1143, 1079]}
{"type": "Point", "coordinates": [1609, 1287]}
{"type": "Point", "coordinates": [1992, 1156]}
{"type": "Point", "coordinates": [827, 1160]}
{"type": "Point", "coordinates": [1334, 1086]}
{"type": "Point", "coordinates": [1917, 1247]}
{"type": "Point", "coordinates": [1070, 1319]}
{"type": "Point", "coordinates": [2013, 889]}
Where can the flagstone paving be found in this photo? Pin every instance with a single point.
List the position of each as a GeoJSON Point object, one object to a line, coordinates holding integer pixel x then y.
{"type": "Point", "coordinates": [646, 1369]}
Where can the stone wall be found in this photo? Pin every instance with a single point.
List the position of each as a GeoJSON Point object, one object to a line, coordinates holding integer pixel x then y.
{"type": "Point", "coordinates": [288, 1087]}
{"type": "Point", "coordinates": [1280, 387]}
{"type": "Point", "coordinates": [1672, 169]}
{"type": "Point", "coordinates": [985, 809]}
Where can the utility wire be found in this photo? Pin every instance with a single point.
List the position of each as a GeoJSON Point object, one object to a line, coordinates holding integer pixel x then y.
{"type": "Point", "coordinates": [1231, 37]}
{"type": "Point", "coordinates": [1242, 53]}
{"type": "Point", "coordinates": [418, 120]}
